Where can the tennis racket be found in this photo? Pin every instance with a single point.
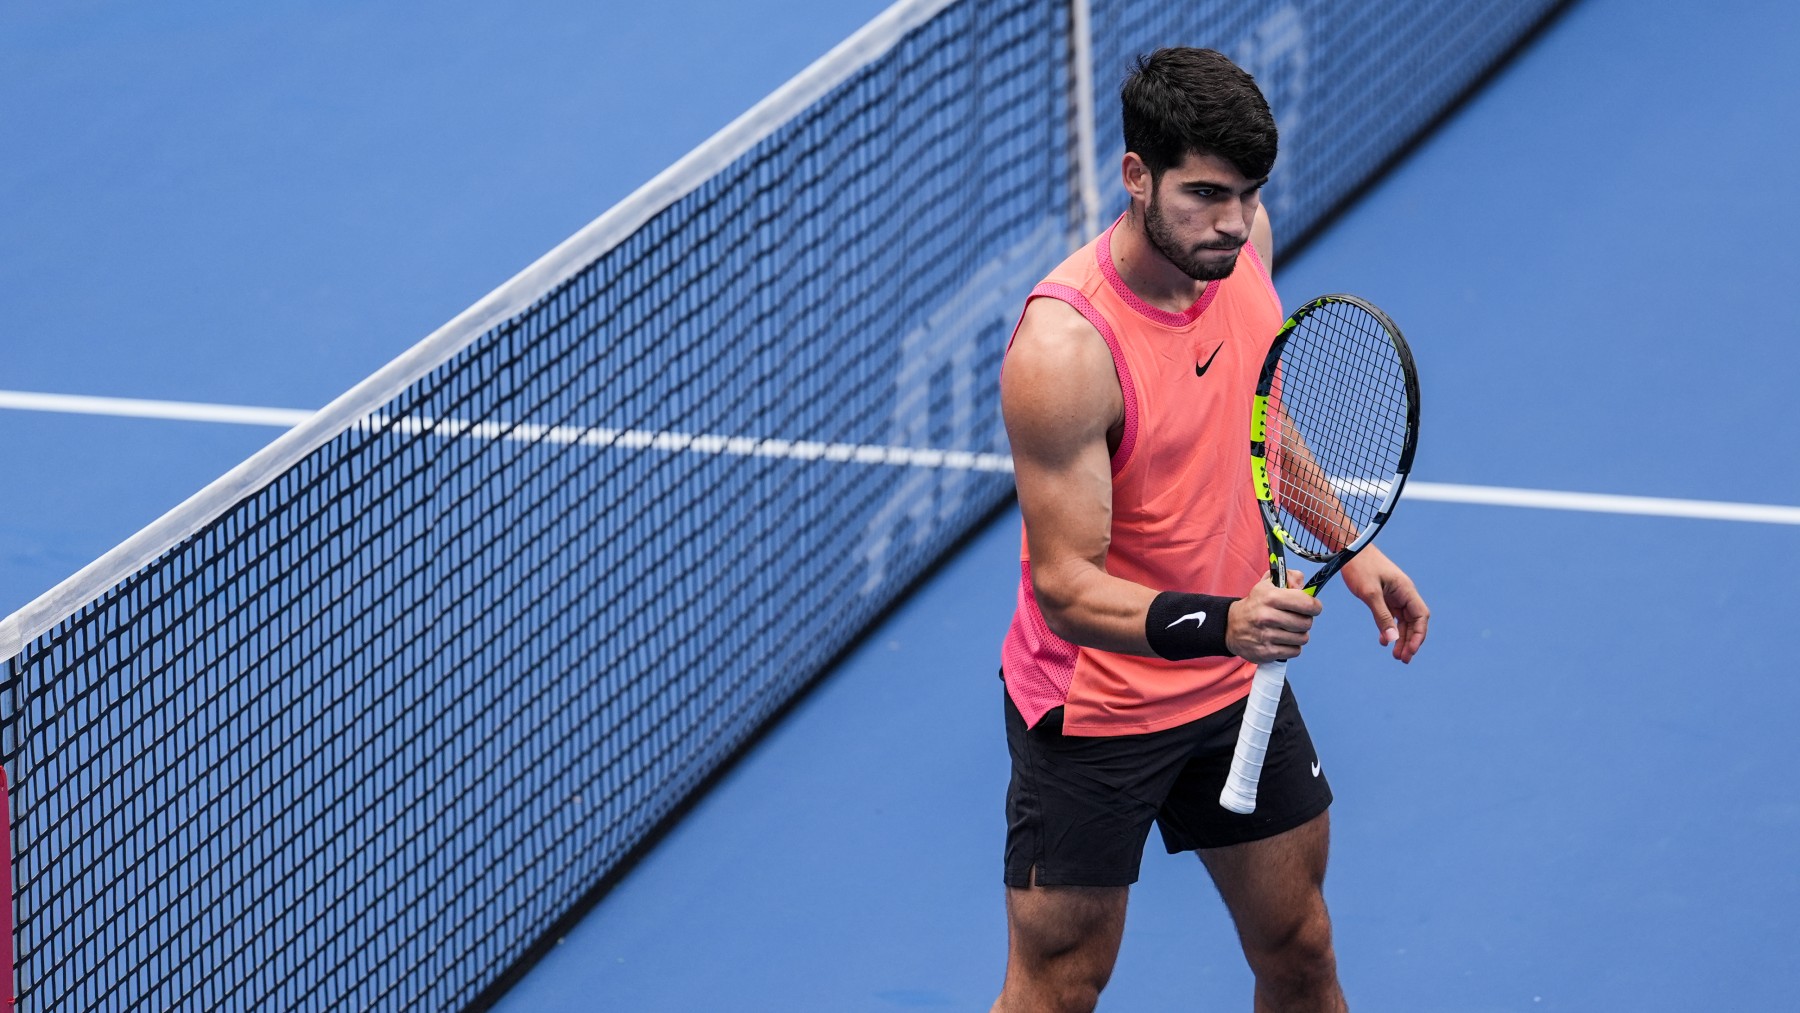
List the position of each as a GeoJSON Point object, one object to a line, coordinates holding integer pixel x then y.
{"type": "Point", "coordinates": [1332, 432]}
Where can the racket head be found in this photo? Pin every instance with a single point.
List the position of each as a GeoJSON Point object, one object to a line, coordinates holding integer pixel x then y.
{"type": "Point", "coordinates": [1333, 430]}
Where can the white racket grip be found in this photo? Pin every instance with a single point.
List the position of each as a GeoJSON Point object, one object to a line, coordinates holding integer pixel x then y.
{"type": "Point", "coordinates": [1253, 737]}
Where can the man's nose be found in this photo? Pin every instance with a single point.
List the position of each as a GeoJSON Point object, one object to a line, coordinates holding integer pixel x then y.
{"type": "Point", "coordinates": [1232, 221]}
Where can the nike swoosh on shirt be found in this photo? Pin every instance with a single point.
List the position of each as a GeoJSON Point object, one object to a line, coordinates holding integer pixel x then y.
{"type": "Point", "coordinates": [1200, 370]}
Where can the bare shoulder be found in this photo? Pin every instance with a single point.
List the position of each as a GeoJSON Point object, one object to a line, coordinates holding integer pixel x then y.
{"type": "Point", "coordinates": [1058, 387]}
{"type": "Point", "coordinates": [1262, 236]}
{"type": "Point", "coordinates": [1053, 333]}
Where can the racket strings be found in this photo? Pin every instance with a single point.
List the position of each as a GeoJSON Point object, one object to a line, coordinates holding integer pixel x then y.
{"type": "Point", "coordinates": [1337, 427]}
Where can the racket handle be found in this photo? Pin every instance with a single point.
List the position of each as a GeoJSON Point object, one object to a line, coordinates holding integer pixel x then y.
{"type": "Point", "coordinates": [1253, 737]}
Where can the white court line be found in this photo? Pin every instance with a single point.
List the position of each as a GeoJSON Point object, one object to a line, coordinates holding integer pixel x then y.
{"type": "Point", "coordinates": [806, 450]}
{"type": "Point", "coordinates": [138, 408]}
{"type": "Point", "coordinates": [1605, 503]}
{"type": "Point", "coordinates": [523, 432]}
{"type": "Point", "coordinates": [704, 443]}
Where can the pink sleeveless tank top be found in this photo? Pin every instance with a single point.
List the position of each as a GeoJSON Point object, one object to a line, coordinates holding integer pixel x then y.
{"type": "Point", "coordinates": [1183, 515]}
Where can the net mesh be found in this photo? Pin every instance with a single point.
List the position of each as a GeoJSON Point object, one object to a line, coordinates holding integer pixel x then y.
{"type": "Point", "coordinates": [1349, 83]}
{"type": "Point", "coordinates": [1342, 411]}
{"type": "Point", "coordinates": [373, 729]}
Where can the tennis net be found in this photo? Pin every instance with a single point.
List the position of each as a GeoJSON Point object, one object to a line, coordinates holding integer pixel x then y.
{"type": "Point", "coordinates": [359, 723]}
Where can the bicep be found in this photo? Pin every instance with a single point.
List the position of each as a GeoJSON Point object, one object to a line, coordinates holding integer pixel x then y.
{"type": "Point", "coordinates": [1060, 396]}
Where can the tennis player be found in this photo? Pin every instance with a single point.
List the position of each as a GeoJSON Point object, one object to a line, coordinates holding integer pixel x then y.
{"type": "Point", "coordinates": [1145, 602]}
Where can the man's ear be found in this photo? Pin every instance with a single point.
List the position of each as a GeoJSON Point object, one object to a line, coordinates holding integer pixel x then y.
{"type": "Point", "coordinates": [1136, 177]}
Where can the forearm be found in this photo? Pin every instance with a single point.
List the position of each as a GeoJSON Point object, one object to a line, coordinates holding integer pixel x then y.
{"type": "Point", "coordinates": [1312, 501]}
{"type": "Point", "coordinates": [1091, 608]}
{"type": "Point", "coordinates": [1094, 608]}
{"type": "Point", "coordinates": [1306, 493]}
{"type": "Point", "coordinates": [1305, 490]}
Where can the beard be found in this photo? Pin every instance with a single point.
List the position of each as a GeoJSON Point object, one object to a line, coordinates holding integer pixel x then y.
{"type": "Point", "coordinates": [1163, 238]}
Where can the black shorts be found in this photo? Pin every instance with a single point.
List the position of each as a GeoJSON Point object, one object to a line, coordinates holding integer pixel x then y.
{"type": "Point", "coordinates": [1080, 807]}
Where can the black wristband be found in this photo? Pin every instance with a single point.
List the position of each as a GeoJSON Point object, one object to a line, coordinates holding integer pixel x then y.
{"type": "Point", "coordinates": [1180, 626]}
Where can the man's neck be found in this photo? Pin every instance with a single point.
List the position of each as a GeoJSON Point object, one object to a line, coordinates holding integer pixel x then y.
{"type": "Point", "coordinates": [1147, 272]}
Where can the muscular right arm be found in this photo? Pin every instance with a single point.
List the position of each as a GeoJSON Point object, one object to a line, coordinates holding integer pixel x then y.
{"type": "Point", "coordinates": [1061, 399]}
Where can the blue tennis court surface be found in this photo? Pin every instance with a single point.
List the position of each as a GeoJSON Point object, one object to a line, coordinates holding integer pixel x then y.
{"type": "Point", "coordinates": [261, 205]}
{"type": "Point", "coordinates": [1578, 798]}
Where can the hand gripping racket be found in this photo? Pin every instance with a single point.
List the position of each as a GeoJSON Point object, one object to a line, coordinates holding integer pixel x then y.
{"type": "Point", "coordinates": [1332, 432]}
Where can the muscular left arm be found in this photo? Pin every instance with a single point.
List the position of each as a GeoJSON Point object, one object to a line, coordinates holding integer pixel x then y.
{"type": "Point", "coordinates": [1400, 613]}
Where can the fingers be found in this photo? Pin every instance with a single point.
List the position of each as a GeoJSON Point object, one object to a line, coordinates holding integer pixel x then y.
{"type": "Point", "coordinates": [1271, 623]}
{"type": "Point", "coordinates": [1385, 626]}
{"type": "Point", "coordinates": [1409, 645]}
{"type": "Point", "coordinates": [1399, 612]}
{"type": "Point", "coordinates": [1294, 595]}
{"type": "Point", "coordinates": [1394, 603]}
{"type": "Point", "coordinates": [1414, 619]}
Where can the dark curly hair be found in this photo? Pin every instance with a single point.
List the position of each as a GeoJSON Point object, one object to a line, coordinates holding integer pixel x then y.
{"type": "Point", "coordinates": [1180, 100]}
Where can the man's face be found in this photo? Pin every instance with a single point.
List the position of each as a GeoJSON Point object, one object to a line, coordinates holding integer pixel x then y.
{"type": "Point", "coordinates": [1198, 215]}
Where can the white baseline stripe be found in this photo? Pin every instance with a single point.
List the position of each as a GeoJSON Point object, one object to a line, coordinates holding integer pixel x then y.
{"type": "Point", "coordinates": [138, 408]}
{"type": "Point", "coordinates": [707, 443]}
{"type": "Point", "coordinates": [523, 432]}
{"type": "Point", "coordinates": [1594, 502]}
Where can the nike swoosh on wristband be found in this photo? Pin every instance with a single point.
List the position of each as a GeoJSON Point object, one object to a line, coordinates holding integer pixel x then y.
{"type": "Point", "coordinates": [1200, 370]}
{"type": "Point", "coordinates": [1199, 619]}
